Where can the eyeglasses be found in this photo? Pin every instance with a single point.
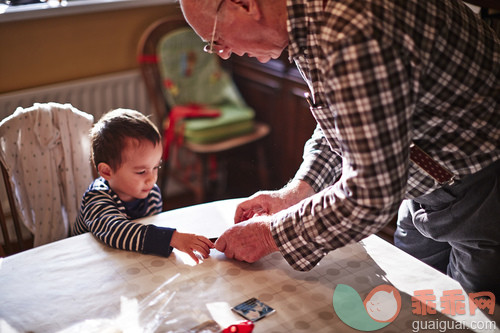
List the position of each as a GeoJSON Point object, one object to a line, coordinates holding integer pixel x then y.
{"type": "Point", "coordinates": [209, 48]}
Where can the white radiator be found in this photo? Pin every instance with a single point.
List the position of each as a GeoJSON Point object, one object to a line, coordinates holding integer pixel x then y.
{"type": "Point", "coordinates": [95, 95]}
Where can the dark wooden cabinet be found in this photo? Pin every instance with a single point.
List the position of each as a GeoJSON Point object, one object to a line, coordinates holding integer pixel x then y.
{"type": "Point", "coordinates": [276, 91]}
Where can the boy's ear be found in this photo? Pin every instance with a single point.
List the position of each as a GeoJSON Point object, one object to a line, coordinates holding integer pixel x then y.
{"type": "Point", "coordinates": [104, 170]}
{"type": "Point", "coordinates": [251, 7]}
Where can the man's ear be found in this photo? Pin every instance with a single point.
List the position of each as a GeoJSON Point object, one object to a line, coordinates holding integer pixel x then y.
{"type": "Point", "coordinates": [104, 170]}
{"type": "Point", "coordinates": [251, 7]}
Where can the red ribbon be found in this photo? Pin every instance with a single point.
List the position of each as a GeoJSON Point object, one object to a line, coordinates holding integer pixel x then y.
{"type": "Point", "coordinates": [147, 59]}
{"type": "Point", "coordinates": [180, 112]}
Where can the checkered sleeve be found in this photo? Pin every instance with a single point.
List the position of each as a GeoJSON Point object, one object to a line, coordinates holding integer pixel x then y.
{"type": "Point", "coordinates": [321, 165]}
{"type": "Point", "coordinates": [370, 123]}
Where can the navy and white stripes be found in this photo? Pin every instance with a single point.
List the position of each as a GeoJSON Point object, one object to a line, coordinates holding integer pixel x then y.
{"type": "Point", "coordinates": [104, 215]}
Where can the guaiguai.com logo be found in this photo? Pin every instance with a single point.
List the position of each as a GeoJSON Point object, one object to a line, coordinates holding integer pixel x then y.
{"type": "Point", "coordinates": [380, 308]}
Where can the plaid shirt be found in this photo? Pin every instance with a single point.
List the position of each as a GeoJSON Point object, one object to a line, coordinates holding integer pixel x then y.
{"type": "Point", "coordinates": [383, 74]}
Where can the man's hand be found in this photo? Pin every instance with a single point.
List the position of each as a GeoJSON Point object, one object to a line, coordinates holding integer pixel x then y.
{"type": "Point", "coordinates": [189, 243]}
{"type": "Point", "coordinates": [247, 241]}
{"type": "Point", "coordinates": [271, 202]}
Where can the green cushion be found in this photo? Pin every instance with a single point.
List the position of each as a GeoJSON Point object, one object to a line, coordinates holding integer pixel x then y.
{"type": "Point", "coordinates": [234, 121]}
{"type": "Point", "coordinates": [191, 75]}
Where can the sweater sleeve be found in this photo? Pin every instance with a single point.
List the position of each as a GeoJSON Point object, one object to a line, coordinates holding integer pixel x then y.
{"type": "Point", "coordinates": [101, 216]}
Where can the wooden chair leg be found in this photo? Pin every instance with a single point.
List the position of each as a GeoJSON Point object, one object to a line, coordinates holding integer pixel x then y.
{"type": "Point", "coordinates": [15, 218]}
{"type": "Point", "coordinates": [5, 233]}
{"type": "Point", "coordinates": [221, 176]}
{"type": "Point", "coordinates": [262, 166]}
{"type": "Point", "coordinates": [204, 178]}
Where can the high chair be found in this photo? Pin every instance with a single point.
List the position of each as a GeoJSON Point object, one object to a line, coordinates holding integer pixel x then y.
{"type": "Point", "coordinates": [197, 105]}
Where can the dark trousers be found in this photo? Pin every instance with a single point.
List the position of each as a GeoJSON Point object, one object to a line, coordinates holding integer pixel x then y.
{"type": "Point", "coordinates": [456, 229]}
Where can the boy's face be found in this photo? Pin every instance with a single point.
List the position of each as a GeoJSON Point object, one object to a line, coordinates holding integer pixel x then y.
{"type": "Point", "coordinates": [137, 174]}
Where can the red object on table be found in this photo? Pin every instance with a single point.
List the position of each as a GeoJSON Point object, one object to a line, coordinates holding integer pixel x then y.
{"type": "Point", "coordinates": [242, 327]}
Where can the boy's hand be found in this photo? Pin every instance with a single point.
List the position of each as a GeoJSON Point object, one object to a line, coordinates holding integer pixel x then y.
{"type": "Point", "coordinates": [191, 242]}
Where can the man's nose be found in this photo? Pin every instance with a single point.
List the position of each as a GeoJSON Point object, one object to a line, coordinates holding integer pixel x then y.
{"type": "Point", "coordinates": [224, 53]}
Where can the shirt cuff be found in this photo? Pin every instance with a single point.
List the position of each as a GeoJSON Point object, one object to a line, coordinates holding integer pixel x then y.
{"type": "Point", "coordinates": [157, 241]}
{"type": "Point", "coordinates": [301, 254]}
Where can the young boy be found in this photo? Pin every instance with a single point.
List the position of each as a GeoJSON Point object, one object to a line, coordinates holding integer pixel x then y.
{"type": "Point", "coordinates": [127, 151]}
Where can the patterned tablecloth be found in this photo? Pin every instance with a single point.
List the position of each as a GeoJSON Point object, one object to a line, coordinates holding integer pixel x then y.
{"type": "Point", "coordinates": [80, 285]}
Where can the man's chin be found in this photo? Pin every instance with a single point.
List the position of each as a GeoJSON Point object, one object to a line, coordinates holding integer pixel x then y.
{"type": "Point", "coordinates": [264, 59]}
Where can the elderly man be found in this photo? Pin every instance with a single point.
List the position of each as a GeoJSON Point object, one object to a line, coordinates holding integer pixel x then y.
{"type": "Point", "coordinates": [406, 95]}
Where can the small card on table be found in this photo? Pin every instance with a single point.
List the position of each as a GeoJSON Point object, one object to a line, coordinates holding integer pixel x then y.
{"type": "Point", "coordinates": [253, 309]}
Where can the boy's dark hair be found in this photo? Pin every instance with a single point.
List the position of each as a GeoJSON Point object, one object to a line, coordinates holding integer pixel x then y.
{"type": "Point", "coordinates": [109, 133]}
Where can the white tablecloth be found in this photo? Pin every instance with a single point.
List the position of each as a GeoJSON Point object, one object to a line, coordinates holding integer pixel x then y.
{"type": "Point", "coordinates": [80, 285]}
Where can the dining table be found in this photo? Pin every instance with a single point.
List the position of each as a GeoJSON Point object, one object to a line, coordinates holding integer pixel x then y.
{"type": "Point", "coordinates": [79, 284]}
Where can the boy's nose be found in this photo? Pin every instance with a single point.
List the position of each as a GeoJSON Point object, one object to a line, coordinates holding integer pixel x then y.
{"type": "Point", "coordinates": [151, 179]}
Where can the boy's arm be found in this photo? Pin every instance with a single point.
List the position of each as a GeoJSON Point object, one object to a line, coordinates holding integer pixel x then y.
{"type": "Point", "coordinates": [107, 222]}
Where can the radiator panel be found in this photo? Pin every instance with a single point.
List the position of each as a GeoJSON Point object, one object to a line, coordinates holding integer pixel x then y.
{"type": "Point", "coordinates": [95, 95]}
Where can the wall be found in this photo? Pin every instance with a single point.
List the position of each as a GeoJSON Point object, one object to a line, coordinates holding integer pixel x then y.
{"type": "Point", "coordinates": [50, 50]}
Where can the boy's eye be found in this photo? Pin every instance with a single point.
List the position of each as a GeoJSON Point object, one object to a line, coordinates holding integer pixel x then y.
{"type": "Point", "coordinates": [141, 172]}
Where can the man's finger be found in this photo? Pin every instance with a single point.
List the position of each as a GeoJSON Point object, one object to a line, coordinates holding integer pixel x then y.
{"type": "Point", "coordinates": [238, 214]}
{"type": "Point", "coordinates": [221, 244]}
{"type": "Point", "coordinates": [229, 254]}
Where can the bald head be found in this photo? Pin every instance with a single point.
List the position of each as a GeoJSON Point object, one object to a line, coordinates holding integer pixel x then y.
{"type": "Point", "coordinates": [199, 14]}
{"type": "Point", "coordinates": [265, 19]}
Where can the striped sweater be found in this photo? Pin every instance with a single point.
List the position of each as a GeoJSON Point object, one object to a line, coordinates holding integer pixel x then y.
{"type": "Point", "coordinates": [112, 221]}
